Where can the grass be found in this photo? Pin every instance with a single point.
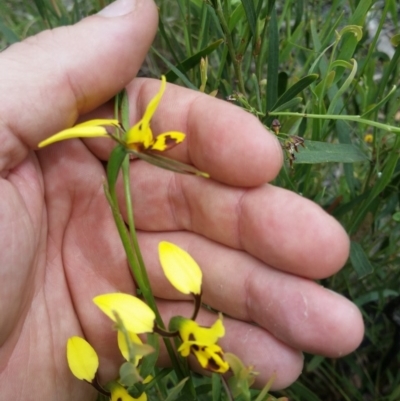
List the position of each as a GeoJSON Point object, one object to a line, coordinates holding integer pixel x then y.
{"type": "Point", "coordinates": [290, 60]}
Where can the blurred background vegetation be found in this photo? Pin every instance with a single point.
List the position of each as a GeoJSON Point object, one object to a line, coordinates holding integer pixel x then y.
{"type": "Point", "coordinates": [314, 65]}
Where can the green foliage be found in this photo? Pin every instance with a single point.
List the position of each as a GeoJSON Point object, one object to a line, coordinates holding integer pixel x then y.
{"type": "Point", "coordinates": [313, 65]}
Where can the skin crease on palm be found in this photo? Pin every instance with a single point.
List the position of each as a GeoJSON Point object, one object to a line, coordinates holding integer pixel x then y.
{"type": "Point", "coordinates": [260, 247]}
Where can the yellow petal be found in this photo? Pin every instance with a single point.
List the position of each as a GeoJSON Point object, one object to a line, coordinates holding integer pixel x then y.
{"type": "Point", "coordinates": [167, 140]}
{"type": "Point", "coordinates": [123, 346]}
{"type": "Point", "coordinates": [119, 393]}
{"type": "Point", "coordinates": [152, 106]}
{"type": "Point", "coordinates": [82, 358]}
{"type": "Point", "coordinates": [136, 316]}
{"type": "Point", "coordinates": [190, 331]}
{"type": "Point", "coordinates": [75, 132]}
{"type": "Point", "coordinates": [99, 121]}
{"type": "Point", "coordinates": [139, 135]}
{"type": "Point", "coordinates": [211, 358]}
{"type": "Point", "coordinates": [180, 268]}
{"type": "Point", "coordinates": [141, 132]}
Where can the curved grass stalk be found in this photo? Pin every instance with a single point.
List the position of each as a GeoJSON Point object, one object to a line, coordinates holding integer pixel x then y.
{"type": "Point", "coordinates": [355, 118]}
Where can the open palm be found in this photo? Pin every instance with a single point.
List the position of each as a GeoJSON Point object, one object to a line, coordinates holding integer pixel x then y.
{"type": "Point", "coordinates": [259, 246]}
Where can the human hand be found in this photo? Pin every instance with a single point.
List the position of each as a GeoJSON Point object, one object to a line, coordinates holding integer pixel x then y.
{"type": "Point", "coordinates": [259, 246]}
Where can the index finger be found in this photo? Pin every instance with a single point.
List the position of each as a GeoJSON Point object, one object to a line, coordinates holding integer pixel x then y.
{"type": "Point", "coordinates": [222, 139]}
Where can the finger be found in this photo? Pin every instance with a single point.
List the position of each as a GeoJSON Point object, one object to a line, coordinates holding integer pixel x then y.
{"type": "Point", "coordinates": [277, 226]}
{"type": "Point", "coordinates": [21, 222]}
{"type": "Point", "coordinates": [71, 71]}
{"type": "Point", "coordinates": [297, 311]}
{"type": "Point", "coordinates": [221, 139]}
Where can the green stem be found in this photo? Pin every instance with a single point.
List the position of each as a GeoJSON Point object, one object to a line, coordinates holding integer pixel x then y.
{"type": "Point", "coordinates": [229, 43]}
{"type": "Point", "coordinates": [357, 119]}
{"type": "Point", "coordinates": [138, 267]}
{"type": "Point", "coordinates": [143, 282]}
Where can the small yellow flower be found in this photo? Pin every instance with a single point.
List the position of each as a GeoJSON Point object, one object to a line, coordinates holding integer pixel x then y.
{"type": "Point", "coordinates": [119, 393]}
{"type": "Point", "coordinates": [136, 316]}
{"type": "Point", "coordinates": [369, 138]}
{"type": "Point", "coordinates": [82, 359]}
{"type": "Point", "coordinates": [140, 136]}
{"type": "Point", "coordinates": [202, 342]}
{"type": "Point", "coordinates": [180, 268]}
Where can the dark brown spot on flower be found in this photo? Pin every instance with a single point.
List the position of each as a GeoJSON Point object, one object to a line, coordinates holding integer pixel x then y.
{"type": "Point", "coordinates": [192, 337]}
{"type": "Point", "coordinates": [170, 141]}
{"type": "Point", "coordinates": [212, 364]}
{"type": "Point", "coordinates": [195, 347]}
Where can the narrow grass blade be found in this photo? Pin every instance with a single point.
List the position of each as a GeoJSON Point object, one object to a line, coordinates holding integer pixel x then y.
{"type": "Point", "coordinates": [176, 70]}
{"type": "Point", "coordinates": [174, 392]}
{"type": "Point", "coordinates": [273, 61]}
{"type": "Point", "coordinates": [216, 387]}
{"type": "Point", "coordinates": [291, 104]}
{"type": "Point", "coordinates": [250, 11]}
{"type": "Point", "coordinates": [295, 89]}
{"type": "Point", "coordinates": [236, 16]}
{"type": "Point", "coordinates": [380, 185]}
{"type": "Point", "coordinates": [192, 61]}
{"type": "Point", "coordinates": [360, 260]}
{"type": "Point", "coordinates": [8, 34]}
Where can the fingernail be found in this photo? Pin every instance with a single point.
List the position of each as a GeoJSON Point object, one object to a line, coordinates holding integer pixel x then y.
{"type": "Point", "coordinates": [118, 8]}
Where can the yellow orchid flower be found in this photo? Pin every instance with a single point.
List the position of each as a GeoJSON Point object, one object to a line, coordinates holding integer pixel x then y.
{"type": "Point", "coordinates": [180, 268]}
{"type": "Point", "coordinates": [140, 136]}
{"type": "Point", "coordinates": [136, 316]}
{"type": "Point", "coordinates": [82, 359]}
{"type": "Point", "coordinates": [202, 342]}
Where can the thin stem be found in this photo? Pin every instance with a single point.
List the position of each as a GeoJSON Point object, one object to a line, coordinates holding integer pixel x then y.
{"type": "Point", "coordinates": [357, 119]}
{"type": "Point", "coordinates": [229, 43]}
{"type": "Point", "coordinates": [140, 272]}
{"type": "Point", "coordinates": [95, 383]}
{"type": "Point", "coordinates": [197, 304]}
{"type": "Point", "coordinates": [164, 333]}
{"type": "Point", "coordinates": [227, 389]}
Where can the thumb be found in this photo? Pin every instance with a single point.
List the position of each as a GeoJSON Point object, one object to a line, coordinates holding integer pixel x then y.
{"type": "Point", "coordinates": [50, 79]}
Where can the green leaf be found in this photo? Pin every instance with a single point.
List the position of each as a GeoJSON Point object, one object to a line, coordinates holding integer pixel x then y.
{"type": "Point", "coordinates": [128, 374]}
{"type": "Point", "coordinates": [216, 387]}
{"type": "Point", "coordinates": [396, 217]}
{"type": "Point", "coordinates": [323, 152]}
{"type": "Point", "coordinates": [149, 361]}
{"type": "Point", "coordinates": [380, 103]}
{"type": "Point", "coordinates": [291, 104]}
{"type": "Point", "coordinates": [360, 260]}
{"type": "Point", "coordinates": [315, 363]}
{"type": "Point", "coordinates": [117, 156]}
{"type": "Point", "coordinates": [236, 16]}
{"type": "Point", "coordinates": [349, 80]}
{"type": "Point", "coordinates": [8, 34]}
{"type": "Point", "coordinates": [250, 11]}
{"type": "Point", "coordinates": [295, 89]}
{"type": "Point", "coordinates": [395, 40]}
{"type": "Point", "coordinates": [175, 70]}
{"type": "Point", "coordinates": [192, 61]}
{"type": "Point", "coordinates": [379, 186]}
{"type": "Point", "coordinates": [174, 392]}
